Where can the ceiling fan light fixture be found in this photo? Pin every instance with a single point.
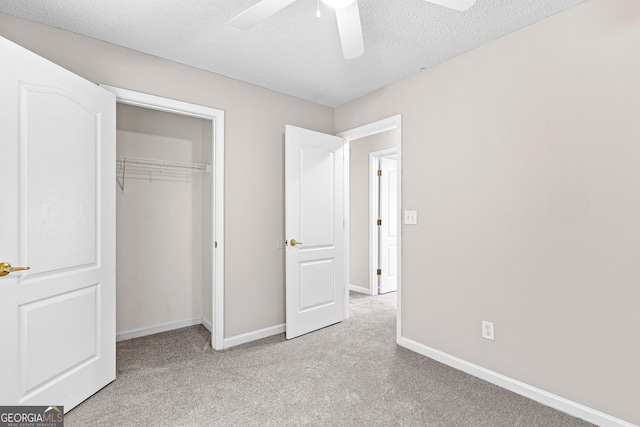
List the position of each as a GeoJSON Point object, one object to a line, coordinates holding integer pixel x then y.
{"type": "Point", "coordinates": [338, 4]}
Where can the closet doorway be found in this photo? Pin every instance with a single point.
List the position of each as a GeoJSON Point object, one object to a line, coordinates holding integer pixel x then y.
{"type": "Point", "coordinates": [170, 243]}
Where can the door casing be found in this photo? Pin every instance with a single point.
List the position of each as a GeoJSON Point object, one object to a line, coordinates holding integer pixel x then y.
{"type": "Point", "coordinates": [153, 102]}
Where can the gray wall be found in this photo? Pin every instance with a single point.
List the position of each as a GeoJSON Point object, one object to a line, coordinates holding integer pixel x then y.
{"type": "Point", "coordinates": [254, 123]}
{"type": "Point", "coordinates": [359, 203]}
{"type": "Point", "coordinates": [522, 158]}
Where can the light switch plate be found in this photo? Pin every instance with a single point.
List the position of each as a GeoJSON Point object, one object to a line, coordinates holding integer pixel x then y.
{"type": "Point", "coordinates": [411, 217]}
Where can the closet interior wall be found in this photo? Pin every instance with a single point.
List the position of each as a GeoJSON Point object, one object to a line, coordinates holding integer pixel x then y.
{"type": "Point", "coordinates": [164, 223]}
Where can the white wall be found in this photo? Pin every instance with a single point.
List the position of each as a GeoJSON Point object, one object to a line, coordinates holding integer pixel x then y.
{"type": "Point", "coordinates": [359, 203]}
{"type": "Point", "coordinates": [254, 123]}
{"type": "Point", "coordinates": [160, 236]}
{"type": "Point", "coordinates": [522, 158]}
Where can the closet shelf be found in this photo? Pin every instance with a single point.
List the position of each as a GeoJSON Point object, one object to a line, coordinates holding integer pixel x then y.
{"type": "Point", "coordinates": [142, 166]}
{"type": "Point", "coordinates": [156, 166]}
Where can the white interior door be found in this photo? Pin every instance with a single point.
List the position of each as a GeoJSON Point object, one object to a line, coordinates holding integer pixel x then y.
{"type": "Point", "coordinates": [314, 226]}
{"type": "Point", "coordinates": [57, 170]}
{"type": "Point", "coordinates": [388, 246]}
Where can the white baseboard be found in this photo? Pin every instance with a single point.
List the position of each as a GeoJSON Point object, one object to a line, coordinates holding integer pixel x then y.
{"type": "Point", "coordinates": [228, 342]}
{"type": "Point", "coordinates": [164, 327]}
{"type": "Point", "coordinates": [549, 399]}
{"type": "Point", "coordinates": [207, 324]}
{"type": "Point", "coordinates": [255, 335]}
{"type": "Point", "coordinates": [360, 289]}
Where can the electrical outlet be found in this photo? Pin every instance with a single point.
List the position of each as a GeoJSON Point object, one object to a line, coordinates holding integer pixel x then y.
{"type": "Point", "coordinates": [487, 330]}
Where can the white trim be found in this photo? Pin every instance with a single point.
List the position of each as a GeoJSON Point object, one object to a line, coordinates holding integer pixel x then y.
{"type": "Point", "coordinates": [207, 324]}
{"type": "Point", "coordinates": [346, 162]}
{"type": "Point", "coordinates": [393, 122]}
{"type": "Point", "coordinates": [153, 102]}
{"type": "Point", "coordinates": [390, 123]}
{"type": "Point", "coordinates": [549, 399]}
{"type": "Point", "coordinates": [255, 335]}
{"type": "Point", "coordinates": [374, 195]}
{"type": "Point", "coordinates": [360, 289]}
{"type": "Point", "coordinates": [156, 329]}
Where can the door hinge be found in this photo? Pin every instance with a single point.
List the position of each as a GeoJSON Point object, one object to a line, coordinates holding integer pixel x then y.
{"type": "Point", "coordinates": [379, 272]}
{"type": "Point", "coordinates": [379, 222]}
{"type": "Point", "coordinates": [379, 172]}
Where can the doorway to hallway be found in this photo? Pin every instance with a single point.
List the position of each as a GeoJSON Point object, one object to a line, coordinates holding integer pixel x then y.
{"type": "Point", "coordinates": [380, 135]}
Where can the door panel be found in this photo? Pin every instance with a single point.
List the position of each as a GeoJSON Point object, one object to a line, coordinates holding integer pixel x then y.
{"type": "Point", "coordinates": [57, 171]}
{"type": "Point", "coordinates": [317, 284]}
{"type": "Point", "coordinates": [314, 199]}
{"type": "Point", "coordinates": [59, 198]}
{"type": "Point", "coordinates": [38, 332]}
{"type": "Point", "coordinates": [317, 195]}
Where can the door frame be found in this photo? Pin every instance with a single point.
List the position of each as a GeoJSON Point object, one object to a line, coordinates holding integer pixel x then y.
{"type": "Point", "coordinates": [374, 194]}
{"type": "Point", "coordinates": [153, 102]}
{"type": "Point", "coordinates": [390, 123]}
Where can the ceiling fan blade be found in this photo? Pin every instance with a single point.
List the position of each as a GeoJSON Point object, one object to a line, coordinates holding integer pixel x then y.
{"type": "Point", "coordinates": [350, 31]}
{"type": "Point", "coordinates": [259, 11]}
{"type": "Point", "coordinates": [460, 5]}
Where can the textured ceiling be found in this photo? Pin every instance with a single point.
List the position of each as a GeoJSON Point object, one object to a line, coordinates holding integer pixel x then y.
{"type": "Point", "coordinates": [293, 52]}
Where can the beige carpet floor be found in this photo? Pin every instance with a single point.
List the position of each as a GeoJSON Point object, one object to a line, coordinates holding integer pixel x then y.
{"type": "Point", "coordinates": [349, 374]}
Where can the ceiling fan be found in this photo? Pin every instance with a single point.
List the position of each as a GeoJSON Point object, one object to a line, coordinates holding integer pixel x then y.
{"type": "Point", "coordinates": [347, 15]}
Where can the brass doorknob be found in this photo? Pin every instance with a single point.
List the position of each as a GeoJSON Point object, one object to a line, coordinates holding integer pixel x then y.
{"type": "Point", "coordinates": [5, 268]}
{"type": "Point", "coordinates": [293, 242]}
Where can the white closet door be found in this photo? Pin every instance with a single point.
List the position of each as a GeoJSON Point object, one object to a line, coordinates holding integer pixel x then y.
{"type": "Point", "coordinates": [57, 137]}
